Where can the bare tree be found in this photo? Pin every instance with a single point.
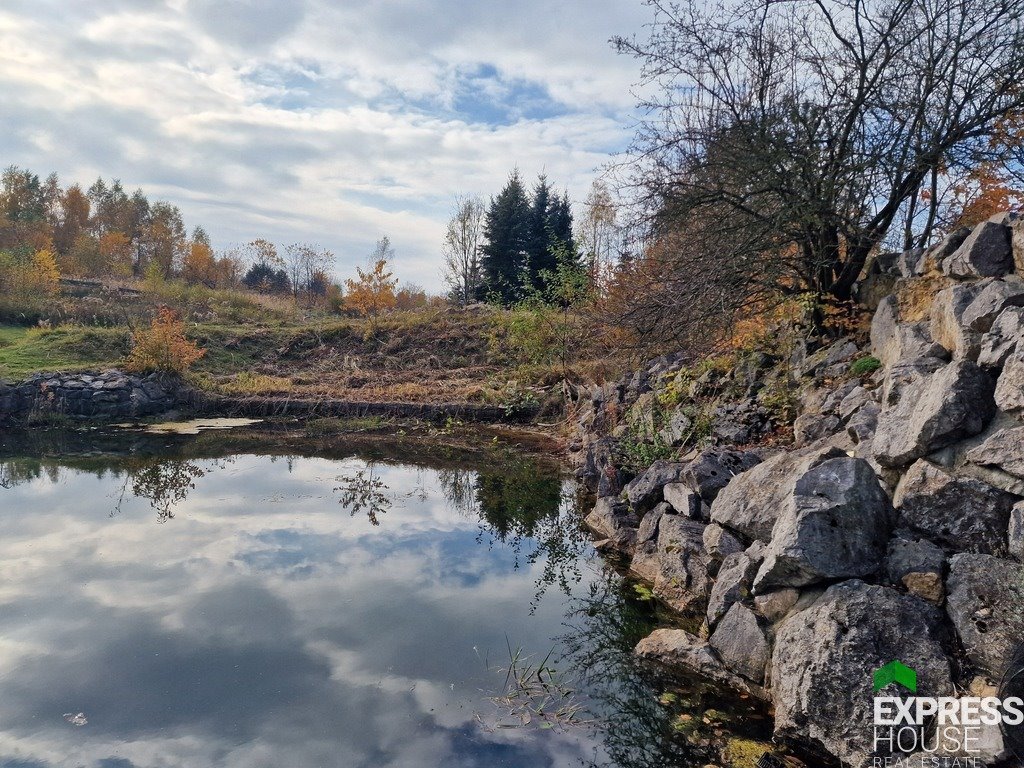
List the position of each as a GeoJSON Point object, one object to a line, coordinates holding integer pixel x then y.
{"type": "Point", "coordinates": [803, 135]}
{"type": "Point", "coordinates": [598, 231]}
{"type": "Point", "coordinates": [461, 249]}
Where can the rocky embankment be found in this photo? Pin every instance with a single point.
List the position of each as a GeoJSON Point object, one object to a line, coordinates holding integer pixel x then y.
{"type": "Point", "coordinates": [892, 528]}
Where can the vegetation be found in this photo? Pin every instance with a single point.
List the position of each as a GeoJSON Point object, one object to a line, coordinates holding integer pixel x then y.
{"type": "Point", "coordinates": [163, 347]}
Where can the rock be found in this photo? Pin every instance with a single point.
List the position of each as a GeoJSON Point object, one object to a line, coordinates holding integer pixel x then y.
{"type": "Point", "coordinates": [854, 401]}
{"type": "Point", "coordinates": [953, 403]}
{"type": "Point", "coordinates": [864, 423]}
{"type": "Point", "coordinates": [985, 601]}
{"type": "Point", "coordinates": [741, 644]}
{"type": "Point", "coordinates": [811, 427]}
{"type": "Point", "coordinates": [1003, 338]}
{"type": "Point", "coordinates": [1004, 451]}
{"type": "Point", "coordinates": [750, 504]}
{"type": "Point", "coordinates": [646, 491]}
{"type": "Point", "coordinates": [925, 585]}
{"type": "Point", "coordinates": [911, 263]}
{"type": "Point", "coordinates": [775, 606]}
{"type": "Point", "coordinates": [1015, 534]}
{"type": "Point", "coordinates": [684, 501]}
{"type": "Point", "coordinates": [961, 514]}
{"type": "Point", "coordinates": [677, 428]}
{"type": "Point", "coordinates": [735, 577]}
{"type": "Point", "coordinates": [906, 556]}
{"type": "Point", "coordinates": [985, 253]}
{"type": "Point", "coordinates": [903, 375]}
{"type": "Point", "coordinates": [1017, 245]}
{"type": "Point", "coordinates": [712, 469]}
{"type": "Point", "coordinates": [892, 341]}
{"type": "Point", "coordinates": [834, 525]}
{"type": "Point", "coordinates": [614, 520]}
{"type": "Point", "coordinates": [719, 543]}
{"type": "Point", "coordinates": [677, 565]}
{"type": "Point", "coordinates": [941, 251]}
{"type": "Point", "coordinates": [678, 649]}
{"type": "Point", "coordinates": [948, 327]}
{"type": "Point", "coordinates": [1009, 394]}
{"type": "Point", "coordinates": [839, 352]}
{"type": "Point", "coordinates": [993, 299]}
{"type": "Point", "coordinates": [640, 416]}
{"type": "Point", "coordinates": [648, 530]}
{"type": "Point", "coordinates": [825, 656]}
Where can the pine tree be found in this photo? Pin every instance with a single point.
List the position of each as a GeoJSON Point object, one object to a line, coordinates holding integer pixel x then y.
{"type": "Point", "coordinates": [507, 231]}
{"type": "Point", "coordinates": [539, 255]}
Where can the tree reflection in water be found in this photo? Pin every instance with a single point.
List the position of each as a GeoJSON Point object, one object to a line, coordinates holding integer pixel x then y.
{"type": "Point", "coordinates": [649, 719]}
{"type": "Point", "coordinates": [364, 490]}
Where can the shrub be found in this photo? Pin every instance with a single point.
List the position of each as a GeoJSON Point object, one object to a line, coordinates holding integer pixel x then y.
{"type": "Point", "coordinates": [865, 365]}
{"type": "Point", "coordinates": [163, 346]}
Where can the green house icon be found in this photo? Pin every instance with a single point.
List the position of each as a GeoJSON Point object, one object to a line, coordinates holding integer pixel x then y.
{"type": "Point", "coordinates": [895, 672]}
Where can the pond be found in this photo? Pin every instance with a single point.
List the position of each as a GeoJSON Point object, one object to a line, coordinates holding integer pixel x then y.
{"type": "Point", "coordinates": [264, 600]}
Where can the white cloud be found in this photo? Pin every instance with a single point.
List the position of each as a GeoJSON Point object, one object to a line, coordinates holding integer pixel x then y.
{"type": "Point", "coordinates": [326, 121]}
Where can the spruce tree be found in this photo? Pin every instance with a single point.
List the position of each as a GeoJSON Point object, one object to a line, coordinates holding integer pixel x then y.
{"type": "Point", "coordinates": [539, 256]}
{"type": "Point", "coordinates": [507, 231]}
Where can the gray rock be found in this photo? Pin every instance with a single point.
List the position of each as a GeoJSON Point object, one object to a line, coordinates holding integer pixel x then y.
{"type": "Point", "coordinates": [1004, 451]}
{"type": "Point", "coordinates": [684, 501]}
{"type": "Point", "coordinates": [646, 491]}
{"type": "Point", "coordinates": [1003, 338]}
{"type": "Point", "coordinates": [854, 401]}
{"type": "Point", "coordinates": [986, 605]}
{"type": "Point", "coordinates": [1015, 533]}
{"type": "Point", "coordinates": [941, 251]}
{"type": "Point", "coordinates": [906, 555]}
{"type": "Point", "coordinates": [892, 341]}
{"type": "Point", "coordinates": [904, 375]}
{"type": "Point", "coordinates": [825, 656]}
{"type": "Point", "coordinates": [961, 514]}
{"type": "Point", "coordinates": [985, 253]}
{"type": "Point", "coordinates": [953, 403]}
{"type": "Point", "coordinates": [741, 644]}
{"type": "Point", "coordinates": [677, 428]}
{"type": "Point", "coordinates": [993, 299]}
{"type": "Point", "coordinates": [712, 469]}
{"type": "Point", "coordinates": [677, 565]}
{"type": "Point", "coordinates": [911, 263]}
{"type": "Point", "coordinates": [640, 416]}
{"type": "Point", "coordinates": [834, 525]}
{"type": "Point", "coordinates": [948, 327]}
{"type": "Point", "coordinates": [775, 606]}
{"type": "Point", "coordinates": [648, 530]}
{"type": "Point", "coordinates": [615, 521]}
{"type": "Point", "coordinates": [735, 578]}
{"type": "Point", "coordinates": [1009, 394]}
{"type": "Point", "coordinates": [811, 427]}
{"type": "Point", "coordinates": [839, 352]}
{"type": "Point", "coordinates": [720, 543]}
{"type": "Point", "coordinates": [864, 423]}
{"type": "Point", "coordinates": [1017, 244]}
{"type": "Point", "coordinates": [678, 649]}
{"type": "Point", "coordinates": [751, 503]}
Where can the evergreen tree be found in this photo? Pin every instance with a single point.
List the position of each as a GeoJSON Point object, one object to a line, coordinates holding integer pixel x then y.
{"type": "Point", "coordinates": [539, 255]}
{"type": "Point", "coordinates": [560, 221]}
{"type": "Point", "coordinates": [507, 231]}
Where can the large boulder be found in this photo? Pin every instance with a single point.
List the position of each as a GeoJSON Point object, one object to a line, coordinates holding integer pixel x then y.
{"type": "Point", "coordinates": [615, 521]}
{"type": "Point", "coordinates": [834, 525]}
{"type": "Point", "coordinates": [985, 601]}
{"type": "Point", "coordinates": [948, 327]}
{"type": "Point", "coordinates": [1003, 338]}
{"type": "Point", "coordinates": [892, 341]}
{"type": "Point", "coordinates": [993, 299]}
{"type": "Point", "coordinates": [825, 657]}
{"type": "Point", "coordinates": [734, 581]}
{"type": "Point", "coordinates": [741, 644]}
{"type": "Point", "coordinates": [1009, 394]}
{"type": "Point", "coordinates": [676, 563]}
{"type": "Point", "coordinates": [647, 490]}
{"type": "Point", "coordinates": [953, 403]}
{"type": "Point", "coordinates": [751, 503]}
{"type": "Point", "coordinates": [1015, 533]}
{"type": "Point", "coordinates": [1003, 451]}
{"type": "Point", "coordinates": [711, 470]}
{"type": "Point", "coordinates": [961, 514]}
{"type": "Point", "coordinates": [678, 649]}
{"type": "Point", "coordinates": [916, 564]}
{"type": "Point", "coordinates": [985, 253]}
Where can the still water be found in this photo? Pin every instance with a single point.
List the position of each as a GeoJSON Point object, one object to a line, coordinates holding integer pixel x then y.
{"type": "Point", "coordinates": [173, 601]}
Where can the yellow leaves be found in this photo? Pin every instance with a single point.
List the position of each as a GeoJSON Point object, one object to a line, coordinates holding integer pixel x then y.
{"type": "Point", "coordinates": [163, 346]}
{"type": "Point", "coordinates": [373, 292]}
{"type": "Point", "coordinates": [200, 266]}
{"type": "Point", "coordinates": [116, 253]}
{"type": "Point", "coordinates": [45, 275]}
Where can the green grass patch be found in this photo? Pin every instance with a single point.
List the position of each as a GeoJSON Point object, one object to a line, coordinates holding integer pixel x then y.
{"type": "Point", "coordinates": [327, 426]}
{"type": "Point", "coordinates": [865, 366]}
{"type": "Point", "coordinates": [65, 348]}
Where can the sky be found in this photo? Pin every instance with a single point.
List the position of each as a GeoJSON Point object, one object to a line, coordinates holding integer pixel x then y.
{"type": "Point", "coordinates": [326, 121]}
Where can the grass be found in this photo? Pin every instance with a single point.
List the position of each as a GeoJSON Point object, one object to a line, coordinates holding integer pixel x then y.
{"type": "Point", "coordinates": [65, 348]}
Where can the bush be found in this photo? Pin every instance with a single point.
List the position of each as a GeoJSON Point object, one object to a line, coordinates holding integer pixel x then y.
{"type": "Point", "coordinates": [865, 365]}
{"type": "Point", "coordinates": [163, 347]}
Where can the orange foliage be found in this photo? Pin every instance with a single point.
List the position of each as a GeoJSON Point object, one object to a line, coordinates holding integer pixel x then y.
{"type": "Point", "coordinates": [373, 292]}
{"type": "Point", "coordinates": [163, 346]}
{"type": "Point", "coordinates": [116, 253]}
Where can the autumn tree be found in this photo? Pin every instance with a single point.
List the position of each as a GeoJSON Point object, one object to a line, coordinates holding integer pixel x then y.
{"type": "Point", "coordinates": [800, 136]}
{"type": "Point", "coordinates": [461, 249]}
{"type": "Point", "coordinates": [598, 231]}
{"type": "Point", "coordinates": [163, 346]}
{"type": "Point", "coordinates": [373, 291]}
